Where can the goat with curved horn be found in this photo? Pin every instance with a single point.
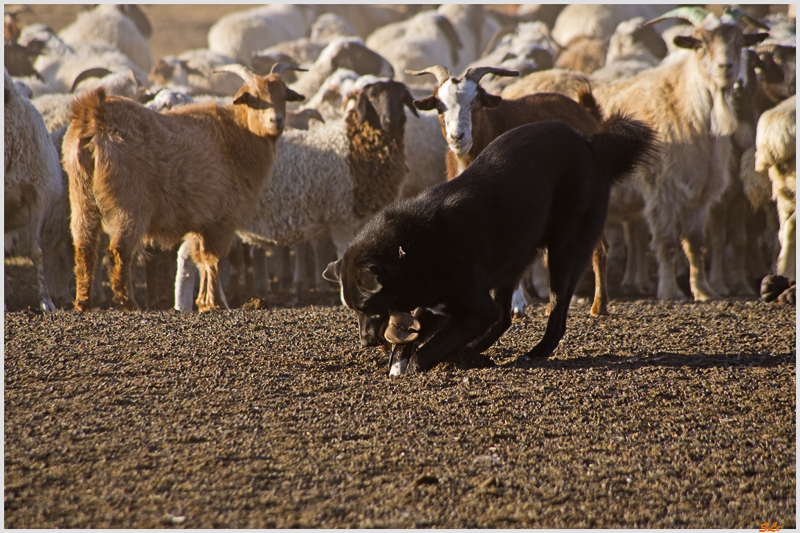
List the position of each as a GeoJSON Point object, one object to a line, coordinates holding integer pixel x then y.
{"type": "Point", "coordinates": [235, 68]}
{"type": "Point", "coordinates": [442, 73]}
{"type": "Point", "coordinates": [475, 74]}
{"type": "Point", "coordinates": [98, 72]}
{"type": "Point", "coordinates": [693, 15]}
{"type": "Point", "coordinates": [279, 68]}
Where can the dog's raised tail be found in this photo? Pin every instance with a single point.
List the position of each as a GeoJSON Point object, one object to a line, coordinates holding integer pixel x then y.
{"type": "Point", "coordinates": [622, 144]}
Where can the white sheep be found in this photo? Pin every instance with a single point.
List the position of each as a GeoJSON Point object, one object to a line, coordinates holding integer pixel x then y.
{"type": "Point", "coordinates": [689, 103]}
{"type": "Point", "coordinates": [528, 48]}
{"type": "Point", "coordinates": [776, 145]}
{"type": "Point", "coordinates": [345, 52]}
{"type": "Point", "coordinates": [243, 33]}
{"type": "Point", "coordinates": [60, 64]}
{"type": "Point", "coordinates": [631, 49]}
{"type": "Point", "coordinates": [329, 179]}
{"type": "Point", "coordinates": [598, 21]}
{"type": "Point", "coordinates": [32, 178]}
{"type": "Point", "coordinates": [192, 72]}
{"type": "Point", "coordinates": [426, 38]}
{"type": "Point", "coordinates": [123, 26]}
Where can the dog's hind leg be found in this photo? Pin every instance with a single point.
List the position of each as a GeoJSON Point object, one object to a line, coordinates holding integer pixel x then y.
{"type": "Point", "coordinates": [566, 268]}
{"type": "Point", "coordinates": [503, 296]}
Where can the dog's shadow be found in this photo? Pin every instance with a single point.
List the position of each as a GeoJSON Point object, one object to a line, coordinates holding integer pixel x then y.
{"type": "Point", "coordinates": [660, 359]}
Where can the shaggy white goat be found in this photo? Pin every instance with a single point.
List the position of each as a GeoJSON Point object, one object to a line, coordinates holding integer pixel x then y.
{"type": "Point", "coordinates": [689, 103]}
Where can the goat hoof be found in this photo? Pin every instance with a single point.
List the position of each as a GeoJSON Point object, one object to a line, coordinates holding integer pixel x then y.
{"type": "Point", "coordinates": [83, 306]}
{"type": "Point", "coordinates": [599, 310]}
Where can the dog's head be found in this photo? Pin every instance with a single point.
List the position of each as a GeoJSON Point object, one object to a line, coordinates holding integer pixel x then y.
{"type": "Point", "coordinates": [367, 289]}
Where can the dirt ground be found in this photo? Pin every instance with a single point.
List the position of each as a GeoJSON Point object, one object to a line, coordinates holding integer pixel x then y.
{"type": "Point", "coordinates": [659, 415]}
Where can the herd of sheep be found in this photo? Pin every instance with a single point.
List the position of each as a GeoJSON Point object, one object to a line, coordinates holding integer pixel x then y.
{"type": "Point", "coordinates": [299, 123]}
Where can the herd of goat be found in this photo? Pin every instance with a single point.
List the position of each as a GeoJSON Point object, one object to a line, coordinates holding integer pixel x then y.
{"type": "Point", "coordinates": [299, 123]}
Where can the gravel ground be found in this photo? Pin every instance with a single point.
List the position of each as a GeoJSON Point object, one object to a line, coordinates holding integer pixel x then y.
{"type": "Point", "coordinates": [660, 415]}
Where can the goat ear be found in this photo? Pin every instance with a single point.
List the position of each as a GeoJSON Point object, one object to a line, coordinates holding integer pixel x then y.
{"type": "Point", "coordinates": [751, 39]}
{"type": "Point", "coordinates": [292, 96]}
{"type": "Point", "coordinates": [243, 99]}
{"type": "Point", "coordinates": [408, 100]}
{"type": "Point", "coordinates": [427, 103]}
{"type": "Point", "coordinates": [369, 279]}
{"type": "Point", "coordinates": [489, 100]}
{"type": "Point", "coordinates": [684, 41]}
{"type": "Point", "coordinates": [332, 273]}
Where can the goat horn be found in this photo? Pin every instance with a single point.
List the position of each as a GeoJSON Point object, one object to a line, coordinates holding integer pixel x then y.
{"type": "Point", "coordinates": [475, 74]}
{"type": "Point", "coordinates": [235, 68]}
{"type": "Point", "coordinates": [770, 47]}
{"type": "Point", "coordinates": [279, 68]}
{"type": "Point", "coordinates": [442, 73]}
{"type": "Point", "coordinates": [693, 15]}
{"type": "Point", "coordinates": [737, 14]}
{"type": "Point", "coordinates": [98, 72]}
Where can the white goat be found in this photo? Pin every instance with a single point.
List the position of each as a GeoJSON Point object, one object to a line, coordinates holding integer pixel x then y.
{"type": "Point", "coordinates": [32, 178]}
{"type": "Point", "coordinates": [688, 102]}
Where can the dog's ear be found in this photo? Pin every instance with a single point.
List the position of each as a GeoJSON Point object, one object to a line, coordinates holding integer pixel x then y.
{"type": "Point", "coordinates": [369, 279]}
{"type": "Point", "coordinates": [332, 273]}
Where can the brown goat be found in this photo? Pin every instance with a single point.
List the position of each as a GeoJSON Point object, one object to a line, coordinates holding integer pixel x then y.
{"type": "Point", "coordinates": [193, 171]}
{"type": "Point", "coordinates": [472, 118]}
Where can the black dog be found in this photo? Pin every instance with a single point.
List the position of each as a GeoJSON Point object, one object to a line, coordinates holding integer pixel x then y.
{"type": "Point", "coordinates": [460, 248]}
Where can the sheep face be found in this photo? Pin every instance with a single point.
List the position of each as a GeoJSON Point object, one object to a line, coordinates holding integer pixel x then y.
{"type": "Point", "coordinates": [382, 104]}
{"type": "Point", "coordinates": [718, 46]}
{"type": "Point", "coordinates": [265, 98]}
